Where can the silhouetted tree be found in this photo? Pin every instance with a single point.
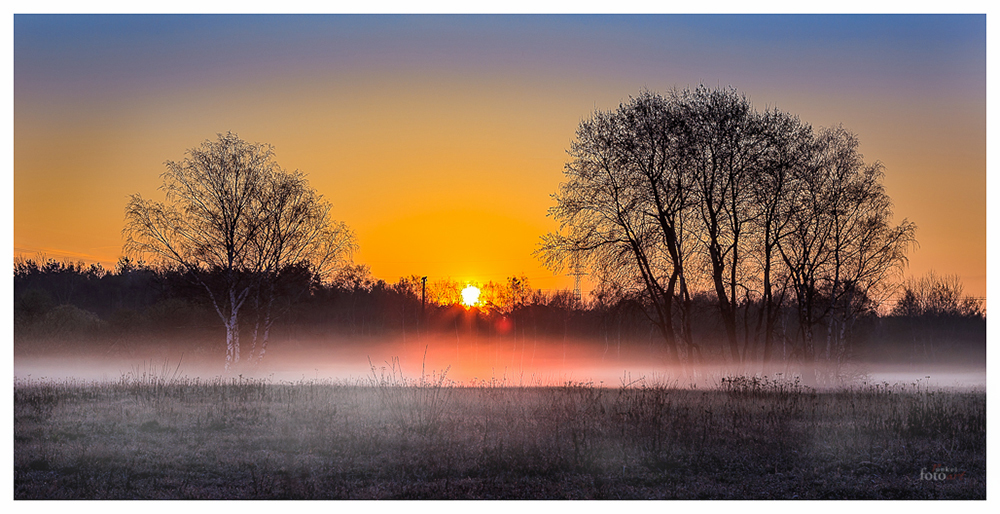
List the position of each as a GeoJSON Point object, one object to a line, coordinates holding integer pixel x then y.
{"type": "Point", "coordinates": [934, 320]}
{"type": "Point", "coordinates": [936, 296]}
{"type": "Point", "coordinates": [699, 189]}
{"type": "Point", "coordinates": [773, 192]}
{"type": "Point", "coordinates": [842, 251]}
{"type": "Point", "coordinates": [726, 143]}
{"type": "Point", "coordinates": [297, 243]}
{"type": "Point", "coordinates": [233, 220]}
{"type": "Point", "coordinates": [621, 209]}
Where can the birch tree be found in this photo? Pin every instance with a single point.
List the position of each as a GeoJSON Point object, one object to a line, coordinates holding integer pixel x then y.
{"type": "Point", "coordinates": [232, 220]}
{"type": "Point", "coordinates": [841, 250]}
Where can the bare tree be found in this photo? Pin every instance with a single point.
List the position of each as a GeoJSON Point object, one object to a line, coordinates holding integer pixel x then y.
{"type": "Point", "coordinates": [935, 295]}
{"type": "Point", "coordinates": [788, 150]}
{"type": "Point", "coordinates": [698, 189]}
{"type": "Point", "coordinates": [726, 141]}
{"type": "Point", "coordinates": [232, 220]}
{"type": "Point", "coordinates": [841, 251]}
{"type": "Point", "coordinates": [658, 162]}
{"type": "Point", "coordinates": [868, 253]}
{"type": "Point", "coordinates": [608, 220]}
{"type": "Point", "coordinates": [296, 230]}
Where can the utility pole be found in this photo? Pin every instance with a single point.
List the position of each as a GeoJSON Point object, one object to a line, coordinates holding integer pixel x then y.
{"type": "Point", "coordinates": [423, 302]}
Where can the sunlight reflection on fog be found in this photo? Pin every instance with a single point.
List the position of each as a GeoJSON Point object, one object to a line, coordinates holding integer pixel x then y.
{"type": "Point", "coordinates": [467, 360]}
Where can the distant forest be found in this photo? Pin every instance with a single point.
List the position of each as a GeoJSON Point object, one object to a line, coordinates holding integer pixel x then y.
{"type": "Point", "coordinates": [58, 305]}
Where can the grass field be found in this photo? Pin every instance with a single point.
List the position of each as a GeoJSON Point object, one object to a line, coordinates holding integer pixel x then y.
{"type": "Point", "coordinates": [152, 436]}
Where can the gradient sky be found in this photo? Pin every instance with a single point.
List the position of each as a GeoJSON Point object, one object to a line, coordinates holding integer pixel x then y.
{"type": "Point", "coordinates": [439, 139]}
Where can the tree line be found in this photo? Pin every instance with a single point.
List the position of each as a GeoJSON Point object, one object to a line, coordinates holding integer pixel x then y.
{"type": "Point", "coordinates": [136, 301]}
{"type": "Point", "coordinates": [136, 304]}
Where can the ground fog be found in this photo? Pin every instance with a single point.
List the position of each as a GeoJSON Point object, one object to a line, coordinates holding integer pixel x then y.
{"type": "Point", "coordinates": [460, 360]}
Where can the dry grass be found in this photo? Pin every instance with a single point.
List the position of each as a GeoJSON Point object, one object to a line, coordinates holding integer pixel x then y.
{"type": "Point", "coordinates": [154, 435]}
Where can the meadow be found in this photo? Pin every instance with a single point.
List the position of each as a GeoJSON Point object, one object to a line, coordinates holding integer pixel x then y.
{"type": "Point", "coordinates": [154, 435]}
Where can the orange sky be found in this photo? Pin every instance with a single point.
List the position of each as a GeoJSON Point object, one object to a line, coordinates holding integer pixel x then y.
{"type": "Point", "coordinates": [439, 140]}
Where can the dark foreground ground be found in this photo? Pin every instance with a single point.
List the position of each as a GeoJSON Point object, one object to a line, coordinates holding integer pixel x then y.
{"type": "Point", "coordinates": [150, 437]}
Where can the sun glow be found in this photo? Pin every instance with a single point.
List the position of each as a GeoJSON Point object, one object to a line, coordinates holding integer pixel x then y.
{"type": "Point", "coordinates": [470, 296]}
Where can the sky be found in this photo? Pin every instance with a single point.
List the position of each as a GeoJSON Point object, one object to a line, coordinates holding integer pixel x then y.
{"type": "Point", "coordinates": [439, 139]}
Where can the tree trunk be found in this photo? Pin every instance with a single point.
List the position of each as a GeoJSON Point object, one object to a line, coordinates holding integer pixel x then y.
{"type": "Point", "coordinates": [726, 309]}
{"type": "Point", "coordinates": [232, 341]}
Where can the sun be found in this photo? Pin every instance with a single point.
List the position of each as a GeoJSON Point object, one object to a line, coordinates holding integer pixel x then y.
{"type": "Point", "coordinates": [470, 296]}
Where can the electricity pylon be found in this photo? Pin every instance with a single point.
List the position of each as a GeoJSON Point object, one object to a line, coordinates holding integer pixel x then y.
{"type": "Point", "coordinates": [576, 274]}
